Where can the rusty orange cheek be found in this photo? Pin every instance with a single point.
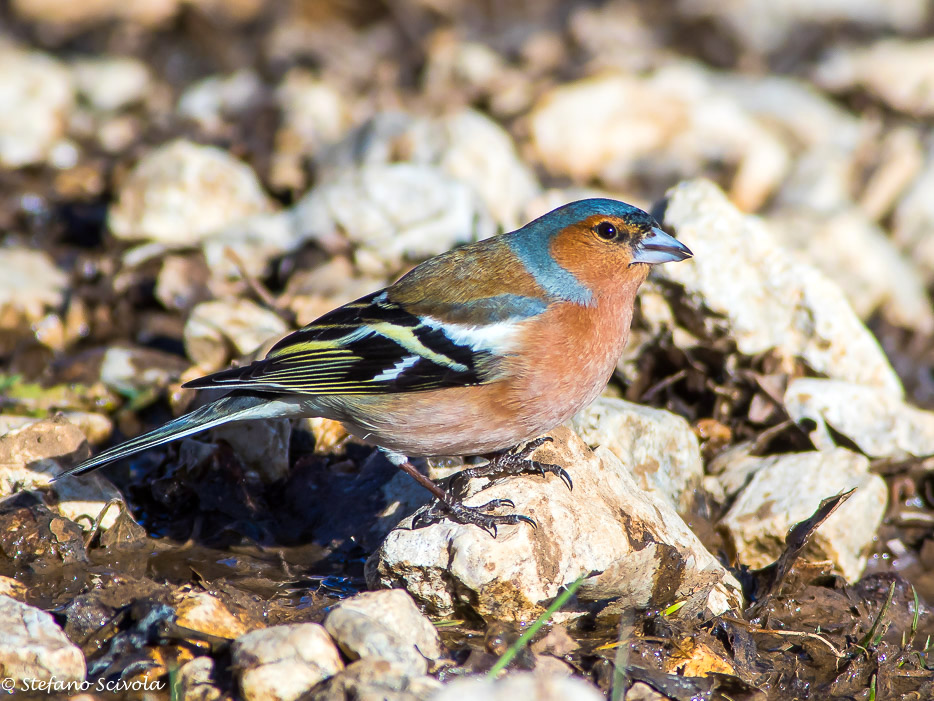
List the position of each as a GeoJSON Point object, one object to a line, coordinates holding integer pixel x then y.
{"type": "Point", "coordinates": [593, 262]}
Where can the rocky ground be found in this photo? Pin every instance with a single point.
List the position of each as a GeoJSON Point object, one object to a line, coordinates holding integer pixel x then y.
{"type": "Point", "coordinates": [753, 507]}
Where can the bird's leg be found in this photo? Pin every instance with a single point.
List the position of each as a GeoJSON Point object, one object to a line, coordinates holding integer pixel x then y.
{"type": "Point", "coordinates": [516, 462]}
{"type": "Point", "coordinates": [447, 505]}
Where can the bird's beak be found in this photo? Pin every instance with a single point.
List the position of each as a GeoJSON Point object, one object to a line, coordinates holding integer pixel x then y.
{"type": "Point", "coordinates": [659, 247]}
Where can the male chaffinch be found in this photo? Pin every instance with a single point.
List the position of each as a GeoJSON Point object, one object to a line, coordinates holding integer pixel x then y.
{"type": "Point", "coordinates": [472, 352]}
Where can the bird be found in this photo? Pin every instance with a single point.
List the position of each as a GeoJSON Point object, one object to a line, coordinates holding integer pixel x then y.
{"type": "Point", "coordinates": [471, 353]}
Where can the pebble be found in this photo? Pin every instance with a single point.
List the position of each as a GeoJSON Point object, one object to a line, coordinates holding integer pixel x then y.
{"type": "Point", "coordinates": [662, 126]}
{"type": "Point", "coordinates": [112, 83]}
{"type": "Point", "coordinates": [181, 193]}
{"type": "Point", "coordinates": [385, 625]}
{"type": "Point", "coordinates": [880, 425]}
{"type": "Point", "coordinates": [36, 96]}
{"type": "Point", "coordinates": [31, 456]}
{"type": "Point", "coordinates": [240, 322]}
{"type": "Point", "coordinates": [520, 685]}
{"type": "Point", "coordinates": [283, 662]}
{"type": "Point", "coordinates": [899, 72]}
{"type": "Point", "coordinates": [30, 283]}
{"type": "Point", "coordinates": [659, 449]}
{"type": "Point", "coordinates": [392, 214]}
{"type": "Point", "coordinates": [788, 488]}
{"type": "Point", "coordinates": [33, 647]}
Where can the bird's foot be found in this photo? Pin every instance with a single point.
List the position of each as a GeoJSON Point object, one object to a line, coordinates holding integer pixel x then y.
{"type": "Point", "coordinates": [516, 462]}
{"type": "Point", "coordinates": [471, 515]}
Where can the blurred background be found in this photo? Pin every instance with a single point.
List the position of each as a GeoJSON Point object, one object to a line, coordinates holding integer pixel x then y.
{"type": "Point", "coordinates": [183, 180]}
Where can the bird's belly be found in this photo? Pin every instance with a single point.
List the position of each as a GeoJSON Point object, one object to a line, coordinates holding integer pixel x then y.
{"type": "Point", "coordinates": [463, 420]}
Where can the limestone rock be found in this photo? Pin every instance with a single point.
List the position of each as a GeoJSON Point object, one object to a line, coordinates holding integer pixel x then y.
{"type": "Point", "coordinates": [788, 489]}
{"type": "Point", "coordinates": [643, 551]}
{"type": "Point", "coordinates": [658, 448]}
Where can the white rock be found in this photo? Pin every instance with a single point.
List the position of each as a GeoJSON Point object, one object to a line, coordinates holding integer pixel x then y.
{"type": "Point", "coordinates": [667, 124]}
{"type": "Point", "coordinates": [256, 241]}
{"type": "Point", "coordinates": [36, 95]}
{"type": "Point", "coordinates": [473, 149]}
{"type": "Point", "coordinates": [197, 681]}
{"type": "Point", "coordinates": [243, 323]}
{"type": "Point", "coordinates": [658, 448]}
{"type": "Point", "coordinates": [857, 255]}
{"type": "Point", "coordinates": [181, 193]}
{"type": "Point", "coordinates": [607, 524]}
{"type": "Point", "coordinates": [897, 71]}
{"type": "Point", "coordinates": [878, 423]}
{"type": "Point", "coordinates": [465, 144]}
{"type": "Point", "coordinates": [763, 26]}
{"type": "Point", "coordinates": [30, 283]}
{"type": "Point", "coordinates": [113, 82]}
{"type": "Point", "coordinates": [283, 662]}
{"type": "Point", "coordinates": [391, 214]}
{"type": "Point", "coordinates": [213, 100]}
{"type": "Point", "coordinates": [66, 13]}
{"type": "Point", "coordinates": [31, 456]}
{"type": "Point", "coordinates": [312, 109]}
{"type": "Point", "coordinates": [385, 625]}
{"type": "Point", "coordinates": [376, 679]}
{"type": "Point", "coordinates": [33, 647]}
{"type": "Point", "coordinates": [767, 298]}
{"type": "Point", "coordinates": [789, 489]}
{"type": "Point", "coordinates": [519, 685]}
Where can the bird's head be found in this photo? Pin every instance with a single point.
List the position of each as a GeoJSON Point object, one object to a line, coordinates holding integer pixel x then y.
{"type": "Point", "coordinates": [591, 245]}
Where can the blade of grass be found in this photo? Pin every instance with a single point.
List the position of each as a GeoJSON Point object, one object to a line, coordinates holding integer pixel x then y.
{"type": "Point", "coordinates": [524, 639]}
{"type": "Point", "coordinates": [870, 638]}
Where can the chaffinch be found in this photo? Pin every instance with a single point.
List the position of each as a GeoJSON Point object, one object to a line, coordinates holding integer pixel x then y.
{"type": "Point", "coordinates": [472, 352]}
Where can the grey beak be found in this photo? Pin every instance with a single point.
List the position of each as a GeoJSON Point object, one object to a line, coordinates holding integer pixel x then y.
{"type": "Point", "coordinates": [658, 247]}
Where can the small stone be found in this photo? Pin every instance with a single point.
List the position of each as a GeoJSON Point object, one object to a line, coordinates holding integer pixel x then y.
{"type": "Point", "coordinates": [665, 125]}
{"type": "Point", "coordinates": [33, 647]}
{"type": "Point", "coordinates": [448, 566]}
{"type": "Point", "coordinates": [385, 625]}
{"type": "Point", "coordinates": [197, 681]}
{"type": "Point", "coordinates": [30, 283]}
{"type": "Point", "coordinates": [881, 426]}
{"type": "Point", "coordinates": [392, 214]}
{"type": "Point", "coordinates": [112, 83]}
{"type": "Point", "coordinates": [65, 13]}
{"type": "Point", "coordinates": [31, 456]}
{"type": "Point", "coordinates": [897, 71]}
{"type": "Point", "coordinates": [376, 679]}
{"type": "Point", "coordinates": [181, 193]}
{"type": "Point", "coordinates": [12, 588]}
{"type": "Point", "coordinates": [519, 685]}
{"type": "Point", "coordinates": [283, 662]}
{"type": "Point", "coordinates": [212, 101]}
{"type": "Point", "coordinates": [658, 448]}
{"type": "Point", "coordinates": [788, 489]}
{"type": "Point", "coordinates": [201, 612]}
{"type": "Point", "coordinates": [770, 300]}
{"type": "Point", "coordinates": [913, 220]}
{"type": "Point", "coordinates": [242, 323]}
{"type": "Point", "coordinates": [36, 96]}
{"type": "Point", "coordinates": [763, 27]}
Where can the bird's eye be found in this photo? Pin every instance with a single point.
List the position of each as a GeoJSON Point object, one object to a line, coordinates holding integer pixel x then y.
{"type": "Point", "coordinates": [606, 231]}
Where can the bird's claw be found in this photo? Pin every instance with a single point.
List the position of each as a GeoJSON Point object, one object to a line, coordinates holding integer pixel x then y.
{"type": "Point", "coordinates": [517, 463]}
{"type": "Point", "coordinates": [472, 515]}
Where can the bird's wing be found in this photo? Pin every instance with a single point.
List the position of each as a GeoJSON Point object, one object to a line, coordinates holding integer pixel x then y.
{"type": "Point", "coordinates": [376, 346]}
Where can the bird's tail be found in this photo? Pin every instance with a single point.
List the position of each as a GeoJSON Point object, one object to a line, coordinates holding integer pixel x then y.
{"type": "Point", "coordinates": [229, 408]}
